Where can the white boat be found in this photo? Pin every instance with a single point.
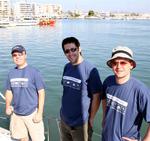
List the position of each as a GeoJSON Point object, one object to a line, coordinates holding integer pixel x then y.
{"type": "Point", "coordinates": [4, 24]}
{"type": "Point", "coordinates": [18, 22]}
{"type": "Point", "coordinates": [26, 22]}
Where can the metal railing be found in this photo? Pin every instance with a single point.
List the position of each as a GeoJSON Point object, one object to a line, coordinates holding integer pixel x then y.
{"type": "Point", "coordinates": [51, 124]}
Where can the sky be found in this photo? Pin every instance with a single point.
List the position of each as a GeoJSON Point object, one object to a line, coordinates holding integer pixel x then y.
{"type": "Point", "coordinates": [101, 5]}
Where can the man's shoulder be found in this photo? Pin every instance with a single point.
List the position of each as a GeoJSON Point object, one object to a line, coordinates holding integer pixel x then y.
{"type": "Point", "coordinates": [138, 84]}
{"type": "Point", "coordinates": [89, 64]}
{"type": "Point", "coordinates": [31, 68]}
{"type": "Point", "coordinates": [109, 78]}
{"type": "Point", "coordinates": [12, 71]}
{"type": "Point", "coordinates": [67, 65]}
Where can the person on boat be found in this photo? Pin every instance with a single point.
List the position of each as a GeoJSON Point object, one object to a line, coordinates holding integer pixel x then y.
{"type": "Point", "coordinates": [25, 90]}
{"type": "Point", "coordinates": [128, 100]}
{"type": "Point", "coordinates": [81, 94]}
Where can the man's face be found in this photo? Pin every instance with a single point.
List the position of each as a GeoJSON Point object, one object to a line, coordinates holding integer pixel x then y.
{"type": "Point", "coordinates": [121, 67]}
{"type": "Point", "coordinates": [72, 53]}
{"type": "Point", "coordinates": [19, 58]}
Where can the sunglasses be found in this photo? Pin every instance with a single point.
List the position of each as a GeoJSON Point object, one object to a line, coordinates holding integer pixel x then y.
{"type": "Point", "coordinates": [121, 63]}
{"type": "Point", "coordinates": [70, 50]}
{"type": "Point", "coordinates": [17, 54]}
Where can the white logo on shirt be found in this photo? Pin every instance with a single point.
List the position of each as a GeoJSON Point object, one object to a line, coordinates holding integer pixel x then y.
{"type": "Point", "coordinates": [72, 82]}
{"type": "Point", "coordinates": [19, 82]}
{"type": "Point", "coordinates": [116, 103]}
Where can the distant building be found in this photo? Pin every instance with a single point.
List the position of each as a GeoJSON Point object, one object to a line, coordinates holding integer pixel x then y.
{"type": "Point", "coordinates": [50, 10]}
{"type": "Point", "coordinates": [36, 10]}
{"type": "Point", "coordinates": [5, 10]}
{"type": "Point", "coordinates": [23, 10]}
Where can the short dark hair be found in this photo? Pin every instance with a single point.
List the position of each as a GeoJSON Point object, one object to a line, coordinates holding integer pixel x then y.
{"type": "Point", "coordinates": [70, 40]}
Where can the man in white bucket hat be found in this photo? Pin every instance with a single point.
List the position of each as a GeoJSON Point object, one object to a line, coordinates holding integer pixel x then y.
{"type": "Point", "coordinates": [121, 52]}
{"type": "Point", "coordinates": [128, 100]}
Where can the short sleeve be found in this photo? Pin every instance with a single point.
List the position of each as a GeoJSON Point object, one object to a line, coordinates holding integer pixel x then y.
{"type": "Point", "coordinates": [39, 81]}
{"type": "Point", "coordinates": [94, 83]}
{"type": "Point", "coordinates": [7, 85]}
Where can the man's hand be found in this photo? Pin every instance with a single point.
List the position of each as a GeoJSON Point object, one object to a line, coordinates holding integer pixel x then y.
{"type": "Point", "coordinates": [37, 118]}
{"type": "Point", "coordinates": [91, 122]}
{"type": "Point", "coordinates": [9, 110]}
{"type": "Point", "coordinates": [128, 139]}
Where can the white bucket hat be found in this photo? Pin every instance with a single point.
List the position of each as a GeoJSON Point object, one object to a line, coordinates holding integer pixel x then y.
{"type": "Point", "coordinates": [121, 52]}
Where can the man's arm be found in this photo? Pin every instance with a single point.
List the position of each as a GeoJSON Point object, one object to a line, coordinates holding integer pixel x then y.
{"type": "Point", "coordinates": [104, 105]}
{"type": "Point", "coordinates": [9, 97]}
{"type": "Point", "coordinates": [38, 117]}
{"type": "Point", "coordinates": [94, 107]}
{"type": "Point", "coordinates": [147, 135]}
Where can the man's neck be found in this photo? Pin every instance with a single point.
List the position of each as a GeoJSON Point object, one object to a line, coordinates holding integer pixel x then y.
{"type": "Point", "coordinates": [122, 80]}
{"type": "Point", "coordinates": [80, 60]}
{"type": "Point", "coordinates": [22, 66]}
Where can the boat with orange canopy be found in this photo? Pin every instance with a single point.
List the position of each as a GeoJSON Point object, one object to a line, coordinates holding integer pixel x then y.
{"type": "Point", "coordinates": [46, 22]}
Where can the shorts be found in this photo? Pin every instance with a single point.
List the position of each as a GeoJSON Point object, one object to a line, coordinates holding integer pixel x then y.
{"type": "Point", "coordinates": [20, 126]}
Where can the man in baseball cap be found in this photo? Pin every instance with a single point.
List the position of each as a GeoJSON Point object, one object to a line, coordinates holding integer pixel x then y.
{"type": "Point", "coordinates": [25, 91]}
{"type": "Point", "coordinates": [127, 100]}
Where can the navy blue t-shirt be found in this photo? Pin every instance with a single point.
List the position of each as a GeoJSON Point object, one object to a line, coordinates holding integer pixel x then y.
{"type": "Point", "coordinates": [24, 84]}
{"type": "Point", "coordinates": [79, 82]}
{"type": "Point", "coordinates": [127, 105]}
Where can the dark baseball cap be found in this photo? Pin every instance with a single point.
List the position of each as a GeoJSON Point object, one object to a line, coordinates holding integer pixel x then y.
{"type": "Point", "coordinates": [18, 48]}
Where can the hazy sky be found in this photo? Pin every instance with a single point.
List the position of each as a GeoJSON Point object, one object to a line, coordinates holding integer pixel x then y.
{"type": "Point", "coordinates": [101, 5]}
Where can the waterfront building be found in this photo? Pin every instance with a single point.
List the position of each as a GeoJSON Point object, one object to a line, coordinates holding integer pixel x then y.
{"type": "Point", "coordinates": [36, 10]}
{"type": "Point", "coordinates": [50, 10]}
{"type": "Point", "coordinates": [146, 15]}
{"type": "Point", "coordinates": [26, 9]}
{"type": "Point", "coordinates": [23, 10]}
{"type": "Point", "coordinates": [5, 10]}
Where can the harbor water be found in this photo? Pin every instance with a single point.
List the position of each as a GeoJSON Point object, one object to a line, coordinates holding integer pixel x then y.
{"type": "Point", "coordinates": [97, 38]}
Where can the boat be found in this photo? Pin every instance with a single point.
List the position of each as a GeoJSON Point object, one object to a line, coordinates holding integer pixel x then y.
{"type": "Point", "coordinates": [4, 24]}
{"type": "Point", "coordinates": [47, 22]}
{"type": "Point", "coordinates": [26, 22]}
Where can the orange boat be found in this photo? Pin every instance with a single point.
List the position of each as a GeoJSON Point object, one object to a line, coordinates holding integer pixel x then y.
{"type": "Point", "coordinates": [45, 22]}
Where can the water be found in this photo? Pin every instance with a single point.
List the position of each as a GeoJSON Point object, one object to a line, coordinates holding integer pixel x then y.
{"type": "Point", "coordinates": [97, 38]}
